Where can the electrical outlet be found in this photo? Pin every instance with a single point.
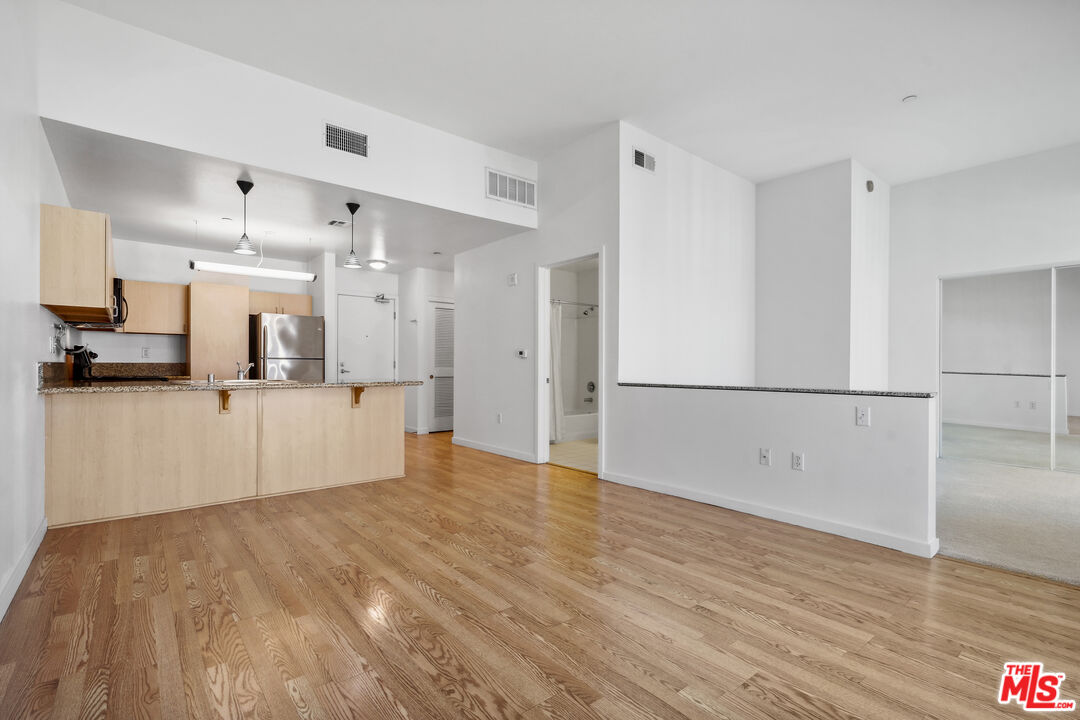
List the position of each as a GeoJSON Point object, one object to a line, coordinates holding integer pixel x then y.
{"type": "Point", "coordinates": [512, 279]}
{"type": "Point", "coordinates": [765, 456]}
{"type": "Point", "coordinates": [798, 461]}
{"type": "Point", "coordinates": [862, 416]}
{"type": "Point", "coordinates": [146, 353]}
{"type": "Point", "coordinates": [1034, 404]}
{"type": "Point", "coordinates": [498, 418]}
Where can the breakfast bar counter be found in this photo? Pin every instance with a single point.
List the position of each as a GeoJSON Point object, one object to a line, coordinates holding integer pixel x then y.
{"type": "Point", "coordinates": [121, 449]}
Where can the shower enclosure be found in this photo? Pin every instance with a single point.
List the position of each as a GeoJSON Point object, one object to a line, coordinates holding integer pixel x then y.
{"type": "Point", "coordinates": [575, 364]}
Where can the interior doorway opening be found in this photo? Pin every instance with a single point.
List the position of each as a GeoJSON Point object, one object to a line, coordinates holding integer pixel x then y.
{"type": "Point", "coordinates": [571, 365]}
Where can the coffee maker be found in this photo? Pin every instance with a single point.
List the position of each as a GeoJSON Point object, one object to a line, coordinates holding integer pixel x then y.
{"type": "Point", "coordinates": [82, 361]}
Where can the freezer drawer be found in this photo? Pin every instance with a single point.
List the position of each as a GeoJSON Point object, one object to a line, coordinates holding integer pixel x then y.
{"type": "Point", "coordinates": [303, 370]}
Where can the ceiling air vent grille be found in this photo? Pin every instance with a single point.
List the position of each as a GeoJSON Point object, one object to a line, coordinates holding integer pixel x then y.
{"type": "Point", "coordinates": [337, 223]}
{"type": "Point", "coordinates": [501, 186]}
{"type": "Point", "coordinates": [349, 141]}
{"type": "Point", "coordinates": [644, 160]}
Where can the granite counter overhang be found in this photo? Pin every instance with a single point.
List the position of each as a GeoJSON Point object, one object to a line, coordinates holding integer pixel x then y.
{"type": "Point", "coordinates": [76, 388]}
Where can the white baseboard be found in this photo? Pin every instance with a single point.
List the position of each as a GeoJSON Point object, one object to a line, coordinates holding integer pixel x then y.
{"type": "Point", "coordinates": [895, 542]}
{"type": "Point", "coordinates": [15, 577]}
{"type": "Point", "coordinates": [494, 449]}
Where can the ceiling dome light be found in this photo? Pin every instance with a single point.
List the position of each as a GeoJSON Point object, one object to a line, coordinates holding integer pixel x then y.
{"type": "Point", "coordinates": [377, 264]}
{"type": "Point", "coordinates": [352, 262]}
{"type": "Point", "coordinates": [244, 246]}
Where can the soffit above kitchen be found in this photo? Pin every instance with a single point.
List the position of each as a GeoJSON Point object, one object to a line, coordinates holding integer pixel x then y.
{"type": "Point", "coordinates": [763, 88]}
{"type": "Point", "coordinates": [168, 196]}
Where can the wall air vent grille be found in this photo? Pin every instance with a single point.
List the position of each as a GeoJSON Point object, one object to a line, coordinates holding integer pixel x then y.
{"type": "Point", "coordinates": [509, 188]}
{"type": "Point", "coordinates": [644, 160]}
{"type": "Point", "coordinates": [349, 141]}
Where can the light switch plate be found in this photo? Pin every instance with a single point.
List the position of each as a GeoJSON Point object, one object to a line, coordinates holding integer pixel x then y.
{"type": "Point", "coordinates": [512, 279]}
{"type": "Point", "coordinates": [862, 416]}
{"type": "Point", "coordinates": [765, 456]}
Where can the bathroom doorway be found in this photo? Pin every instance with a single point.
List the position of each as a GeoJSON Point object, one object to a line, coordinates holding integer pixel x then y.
{"type": "Point", "coordinates": [573, 364]}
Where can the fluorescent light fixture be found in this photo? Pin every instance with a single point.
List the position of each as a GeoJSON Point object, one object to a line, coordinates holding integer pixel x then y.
{"type": "Point", "coordinates": [251, 271]}
{"type": "Point", "coordinates": [377, 264]}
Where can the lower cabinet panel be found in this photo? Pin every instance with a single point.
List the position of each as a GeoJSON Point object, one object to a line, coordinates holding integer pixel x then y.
{"type": "Point", "coordinates": [315, 437]}
{"type": "Point", "coordinates": [110, 455]}
{"type": "Point", "coordinates": [118, 454]}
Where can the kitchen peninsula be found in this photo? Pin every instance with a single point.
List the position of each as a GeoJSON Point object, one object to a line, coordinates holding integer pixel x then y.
{"type": "Point", "coordinates": [116, 450]}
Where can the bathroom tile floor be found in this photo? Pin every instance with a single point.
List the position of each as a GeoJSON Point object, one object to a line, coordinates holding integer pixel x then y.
{"type": "Point", "coordinates": [576, 455]}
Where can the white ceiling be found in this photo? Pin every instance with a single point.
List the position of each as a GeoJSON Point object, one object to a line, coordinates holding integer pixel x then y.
{"type": "Point", "coordinates": [156, 194]}
{"type": "Point", "coordinates": [761, 87]}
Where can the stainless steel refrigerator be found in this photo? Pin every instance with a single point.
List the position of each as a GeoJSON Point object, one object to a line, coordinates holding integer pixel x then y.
{"type": "Point", "coordinates": [287, 347]}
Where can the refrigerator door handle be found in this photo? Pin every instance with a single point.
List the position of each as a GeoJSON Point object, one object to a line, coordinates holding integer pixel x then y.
{"type": "Point", "coordinates": [263, 353]}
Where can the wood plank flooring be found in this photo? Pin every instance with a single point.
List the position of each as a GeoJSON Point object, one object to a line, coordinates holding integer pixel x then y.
{"type": "Point", "coordinates": [484, 587]}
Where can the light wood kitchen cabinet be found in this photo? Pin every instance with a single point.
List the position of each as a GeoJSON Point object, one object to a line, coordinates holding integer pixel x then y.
{"type": "Point", "coordinates": [76, 264]}
{"type": "Point", "coordinates": [295, 304]}
{"type": "Point", "coordinates": [156, 308]}
{"type": "Point", "coordinates": [284, 303]}
{"type": "Point", "coordinates": [217, 329]}
{"type": "Point", "coordinates": [111, 455]}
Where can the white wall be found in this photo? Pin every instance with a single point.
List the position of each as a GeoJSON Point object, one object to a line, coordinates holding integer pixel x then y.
{"type": "Point", "coordinates": [1007, 215]}
{"type": "Point", "coordinates": [804, 265]}
{"type": "Point", "coordinates": [873, 484]}
{"type": "Point", "coordinates": [102, 74]}
{"type": "Point", "coordinates": [579, 215]}
{"type": "Point", "coordinates": [996, 323]}
{"type": "Point", "coordinates": [24, 325]}
{"type": "Point", "coordinates": [1003, 401]}
{"type": "Point", "coordinates": [686, 268]}
{"type": "Point", "coordinates": [869, 280]}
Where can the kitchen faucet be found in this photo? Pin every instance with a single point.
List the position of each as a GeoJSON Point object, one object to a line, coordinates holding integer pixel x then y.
{"type": "Point", "coordinates": [241, 372]}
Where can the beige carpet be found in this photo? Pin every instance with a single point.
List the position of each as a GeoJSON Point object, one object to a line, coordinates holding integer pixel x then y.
{"type": "Point", "coordinates": [576, 454]}
{"type": "Point", "coordinates": [1019, 519]}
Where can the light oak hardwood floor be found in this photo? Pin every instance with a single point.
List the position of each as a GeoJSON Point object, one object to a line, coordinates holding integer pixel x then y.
{"type": "Point", "coordinates": [485, 587]}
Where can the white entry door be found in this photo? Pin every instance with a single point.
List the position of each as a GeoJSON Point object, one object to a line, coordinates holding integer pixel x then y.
{"type": "Point", "coordinates": [367, 345]}
{"type": "Point", "coordinates": [441, 404]}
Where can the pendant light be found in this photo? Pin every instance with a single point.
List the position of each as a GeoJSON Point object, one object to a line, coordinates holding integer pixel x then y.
{"type": "Point", "coordinates": [244, 246]}
{"type": "Point", "coordinates": [352, 262]}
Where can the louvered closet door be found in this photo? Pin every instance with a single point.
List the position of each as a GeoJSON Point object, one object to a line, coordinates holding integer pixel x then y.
{"type": "Point", "coordinates": [442, 396]}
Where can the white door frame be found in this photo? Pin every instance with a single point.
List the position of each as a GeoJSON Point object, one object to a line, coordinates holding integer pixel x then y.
{"type": "Point", "coordinates": [543, 359]}
{"type": "Point", "coordinates": [337, 344]}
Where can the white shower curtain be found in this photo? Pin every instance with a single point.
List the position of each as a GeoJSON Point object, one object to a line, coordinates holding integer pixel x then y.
{"type": "Point", "coordinates": [556, 374]}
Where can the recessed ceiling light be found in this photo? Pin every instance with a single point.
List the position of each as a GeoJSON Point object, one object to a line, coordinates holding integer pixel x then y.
{"type": "Point", "coordinates": [909, 98]}
{"type": "Point", "coordinates": [377, 264]}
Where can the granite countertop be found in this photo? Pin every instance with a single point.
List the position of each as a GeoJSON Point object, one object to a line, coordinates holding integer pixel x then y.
{"type": "Point", "coordinates": [815, 391]}
{"type": "Point", "coordinates": [70, 387]}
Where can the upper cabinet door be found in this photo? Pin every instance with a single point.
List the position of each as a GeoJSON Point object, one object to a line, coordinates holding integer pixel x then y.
{"type": "Point", "coordinates": [295, 304]}
{"type": "Point", "coordinates": [76, 264]}
{"type": "Point", "coordinates": [156, 308]}
{"type": "Point", "coordinates": [262, 302]}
